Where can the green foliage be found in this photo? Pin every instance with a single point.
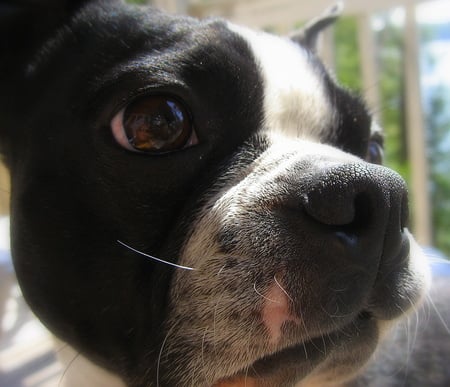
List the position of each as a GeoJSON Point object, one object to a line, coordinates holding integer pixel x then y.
{"type": "Point", "coordinates": [389, 45]}
{"type": "Point", "coordinates": [438, 141]}
{"type": "Point", "coordinates": [348, 64]}
{"type": "Point", "coordinates": [390, 64]}
{"type": "Point", "coordinates": [137, 1]}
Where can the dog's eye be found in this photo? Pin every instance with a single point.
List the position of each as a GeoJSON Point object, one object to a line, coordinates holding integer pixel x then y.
{"type": "Point", "coordinates": [375, 152]}
{"type": "Point", "coordinates": [154, 124]}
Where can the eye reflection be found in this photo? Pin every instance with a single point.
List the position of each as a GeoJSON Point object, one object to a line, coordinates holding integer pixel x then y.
{"type": "Point", "coordinates": [157, 124]}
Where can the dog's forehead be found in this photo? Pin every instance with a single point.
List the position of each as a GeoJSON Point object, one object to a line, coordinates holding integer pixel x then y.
{"type": "Point", "coordinates": [296, 100]}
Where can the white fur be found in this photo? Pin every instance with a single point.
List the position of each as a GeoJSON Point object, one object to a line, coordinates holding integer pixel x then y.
{"type": "Point", "coordinates": [295, 99]}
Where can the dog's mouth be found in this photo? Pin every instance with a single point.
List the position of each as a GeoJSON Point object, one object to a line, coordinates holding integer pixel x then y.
{"type": "Point", "coordinates": [347, 348]}
{"type": "Point", "coordinates": [283, 335]}
{"type": "Point", "coordinates": [338, 349]}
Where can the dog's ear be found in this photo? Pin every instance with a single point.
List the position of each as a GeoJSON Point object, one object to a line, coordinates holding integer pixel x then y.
{"type": "Point", "coordinates": [25, 24]}
{"type": "Point", "coordinates": [24, 27]}
{"type": "Point", "coordinates": [309, 34]}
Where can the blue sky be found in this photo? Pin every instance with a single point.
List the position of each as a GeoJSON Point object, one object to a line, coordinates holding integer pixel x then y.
{"type": "Point", "coordinates": [436, 14]}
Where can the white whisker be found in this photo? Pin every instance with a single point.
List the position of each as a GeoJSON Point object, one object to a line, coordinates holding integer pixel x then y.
{"type": "Point", "coordinates": [221, 269]}
{"type": "Point", "coordinates": [203, 356]}
{"type": "Point", "coordinates": [437, 259]}
{"type": "Point", "coordinates": [444, 323]}
{"type": "Point", "coordinates": [284, 291]}
{"type": "Point", "coordinates": [263, 296]}
{"type": "Point", "coordinates": [154, 258]}
{"type": "Point", "coordinates": [215, 322]}
{"type": "Point", "coordinates": [160, 354]}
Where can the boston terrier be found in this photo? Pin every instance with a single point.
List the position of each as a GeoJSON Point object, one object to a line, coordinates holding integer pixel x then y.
{"type": "Point", "coordinates": [195, 203]}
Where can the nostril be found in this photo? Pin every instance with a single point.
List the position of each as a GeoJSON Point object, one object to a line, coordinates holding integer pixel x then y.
{"type": "Point", "coordinates": [330, 207]}
{"type": "Point", "coordinates": [349, 234]}
{"type": "Point", "coordinates": [364, 209]}
{"type": "Point", "coordinates": [355, 201]}
{"type": "Point", "coordinates": [341, 208]}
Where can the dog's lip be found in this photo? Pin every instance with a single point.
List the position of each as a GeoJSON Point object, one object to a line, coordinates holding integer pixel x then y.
{"type": "Point", "coordinates": [310, 350]}
{"type": "Point", "coordinates": [249, 376]}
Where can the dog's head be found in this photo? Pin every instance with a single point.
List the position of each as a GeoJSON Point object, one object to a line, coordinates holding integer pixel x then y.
{"type": "Point", "coordinates": [229, 152]}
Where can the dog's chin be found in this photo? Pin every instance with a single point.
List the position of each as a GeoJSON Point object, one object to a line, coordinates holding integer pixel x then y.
{"type": "Point", "coordinates": [301, 347]}
{"type": "Point", "coordinates": [328, 359]}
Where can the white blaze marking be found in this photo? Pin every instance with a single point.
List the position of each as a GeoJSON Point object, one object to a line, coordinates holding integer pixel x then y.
{"type": "Point", "coordinates": [295, 101]}
{"type": "Point", "coordinates": [276, 312]}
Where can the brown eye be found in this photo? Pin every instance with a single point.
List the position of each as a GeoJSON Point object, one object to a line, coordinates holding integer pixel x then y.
{"type": "Point", "coordinates": [154, 124]}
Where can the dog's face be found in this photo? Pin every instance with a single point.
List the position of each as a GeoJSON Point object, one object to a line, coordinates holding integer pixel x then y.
{"type": "Point", "coordinates": [229, 152]}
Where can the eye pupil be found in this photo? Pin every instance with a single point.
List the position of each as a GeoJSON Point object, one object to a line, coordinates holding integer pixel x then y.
{"type": "Point", "coordinates": [156, 124]}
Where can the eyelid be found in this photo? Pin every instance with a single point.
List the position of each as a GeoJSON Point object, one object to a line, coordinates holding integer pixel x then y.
{"type": "Point", "coordinates": [119, 132]}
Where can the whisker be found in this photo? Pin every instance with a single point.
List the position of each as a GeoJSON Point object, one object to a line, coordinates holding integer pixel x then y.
{"type": "Point", "coordinates": [441, 319]}
{"type": "Point", "coordinates": [305, 350]}
{"type": "Point", "coordinates": [247, 369]}
{"type": "Point", "coordinates": [67, 368]}
{"type": "Point", "coordinates": [161, 353]}
{"type": "Point", "coordinates": [284, 291]}
{"type": "Point", "coordinates": [435, 256]}
{"type": "Point", "coordinates": [221, 269]}
{"type": "Point", "coordinates": [263, 296]}
{"type": "Point", "coordinates": [61, 348]}
{"type": "Point", "coordinates": [438, 259]}
{"type": "Point", "coordinates": [215, 322]}
{"type": "Point", "coordinates": [154, 258]}
{"type": "Point", "coordinates": [416, 327]}
{"type": "Point", "coordinates": [324, 345]}
{"type": "Point", "coordinates": [203, 356]}
{"type": "Point", "coordinates": [410, 342]}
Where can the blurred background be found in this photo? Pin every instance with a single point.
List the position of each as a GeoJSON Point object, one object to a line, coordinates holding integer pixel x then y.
{"type": "Point", "coordinates": [396, 53]}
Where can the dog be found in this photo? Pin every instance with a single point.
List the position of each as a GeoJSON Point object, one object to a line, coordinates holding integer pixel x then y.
{"type": "Point", "coordinates": [196, 203]}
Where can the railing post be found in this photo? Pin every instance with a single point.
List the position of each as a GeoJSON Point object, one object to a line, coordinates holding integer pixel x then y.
{"type": "Point", "coordinates": [416, 132]}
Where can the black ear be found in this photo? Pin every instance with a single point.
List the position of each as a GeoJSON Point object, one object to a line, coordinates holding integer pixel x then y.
{"type": "Point", "coordinates": [25, 24]}
{"type": "Point", "coordinates": [24, 27]}
{"type": "Point", "coordinates": [309, 34]}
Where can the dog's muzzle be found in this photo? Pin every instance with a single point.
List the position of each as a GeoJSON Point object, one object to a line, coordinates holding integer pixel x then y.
{"type": "Point", "coordinates": [306, 256]}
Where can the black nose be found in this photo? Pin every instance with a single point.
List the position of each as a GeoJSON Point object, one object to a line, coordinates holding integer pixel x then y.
{"type": "Point", "coordinates": [356, 199]}
{"type": "Point", "coordinates": [356, 214]}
